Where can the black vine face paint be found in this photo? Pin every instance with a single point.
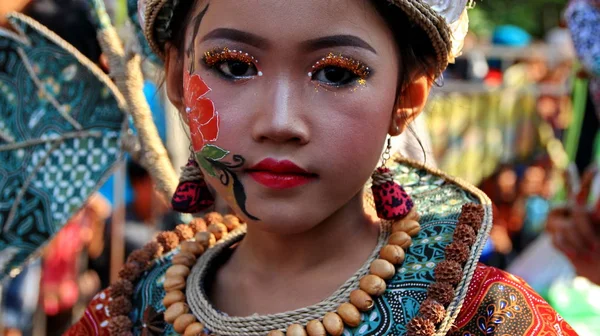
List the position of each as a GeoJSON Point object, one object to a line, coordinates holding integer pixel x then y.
{"type": "Point", "coordinates": [211, 158]}
{"type": "Point", "coordinates": [191, 49]}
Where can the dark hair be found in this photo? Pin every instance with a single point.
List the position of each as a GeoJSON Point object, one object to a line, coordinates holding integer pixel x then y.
{"type": "Point", "coordinates": [69, 19]}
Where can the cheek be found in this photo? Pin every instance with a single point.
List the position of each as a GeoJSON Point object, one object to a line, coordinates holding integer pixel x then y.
{"type": "Point", "coordinates": [355, 124]}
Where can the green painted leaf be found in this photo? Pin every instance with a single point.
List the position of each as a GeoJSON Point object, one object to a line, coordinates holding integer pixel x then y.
{"type": "Point", "coordinates": [203, 162]}
{"type": "Point", "coordinates": [213, 152]}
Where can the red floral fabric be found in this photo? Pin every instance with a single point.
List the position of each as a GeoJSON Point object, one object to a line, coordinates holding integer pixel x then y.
{"type": "Point", "coordinates": [497, 303]}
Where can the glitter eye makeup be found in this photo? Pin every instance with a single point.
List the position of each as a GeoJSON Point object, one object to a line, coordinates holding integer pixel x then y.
{"type": "Point", "coordinates": [232, 64]}
{"type": "Point", "coordinates": [338, 71]}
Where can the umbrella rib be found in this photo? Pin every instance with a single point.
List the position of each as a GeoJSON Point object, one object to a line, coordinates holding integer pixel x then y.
{"type": "Point", "coordinates": [26, 184]}
{"type": "Point", "coordinates": [6, 137]}
{"type": "Point", "coordinates": [50, 97]}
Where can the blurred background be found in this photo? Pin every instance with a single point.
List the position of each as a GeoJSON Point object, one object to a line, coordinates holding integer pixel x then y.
{"type": "Point", "coordinates": [511, 116]}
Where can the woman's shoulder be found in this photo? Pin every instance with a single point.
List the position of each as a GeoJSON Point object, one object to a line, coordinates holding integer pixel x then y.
{"type": "Point", "coordinates": [500, 303]}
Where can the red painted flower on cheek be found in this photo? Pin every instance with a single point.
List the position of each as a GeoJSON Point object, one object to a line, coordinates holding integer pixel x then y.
{"type": "Point", "coordinates": [203, 119]}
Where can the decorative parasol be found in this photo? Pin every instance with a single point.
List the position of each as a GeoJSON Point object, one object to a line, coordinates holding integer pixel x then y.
{"type": "Point", "coordinates": [63, 129]}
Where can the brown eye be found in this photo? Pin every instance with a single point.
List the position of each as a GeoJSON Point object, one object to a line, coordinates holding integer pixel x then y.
{"type": "Point", "coordinates": [236, 69]}
{"type": "Point", "coordinates": [334, 76]}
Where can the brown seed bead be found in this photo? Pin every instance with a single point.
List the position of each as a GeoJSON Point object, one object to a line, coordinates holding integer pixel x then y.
{"type": "Point", "coordinates": [441, 292]}
{"type": "Point", "coordinates": [184, 232]}
{"type": "Point", "coordinates": [349, 314]}
{"type": "Point", "coordinates": [184, 258]}
{"type": "Point", "coordinates": [173, 283]}
{"type": "Point", "coordinates": [464, 234]}
{"type": "Point", "coordinates": [333, 324]}
{"type": "Point", "coordinates": [194, 329]}
{"type": "Point", "coordinates": [176, 310]}
{"type": "Point", "coordinates": [448, 271]}
{"type": "Point", "coordinates": [458, 252]}
{"type": "Point", "coordinates": [218, 229]}
{"type": "Point", "coordinates": [173, 297]}
{"type": "Point", "coordinates": [393, 253]}
{"type": "Point", "coordinates": [231, 222]}
{"type": "Point", "coordinates": [383, 269]}
{"type": "Point", "coordinates": [168, 240]}
{"type": "Point", "coordinates": [206, 239]}
{"type": "Point", "coordinates": [362, 300]}
{"type": "Point", "coordinates": [198, 225]}
{"type": "Point", "coordinates": [178, 270]}
{"type": "Point", "coordinates": [407, 225]}
{"type": "Point", "coordinates": [154, 249]}
{"type": "Point", "coordinates": [130, 272]}
{"type": "Point", "coordinates": [295, 330]}
{"type": "Point", "coordinates": [121, 288]}
{"type": "Point", "coordinates": [276, 333]}
{"type": "Point", "coordinates": [372, 284]}
{"type": "Point", "coordinates": [213, 217]}
{"type": "Point", "coordinates": [401, 239]}
{"type": "Point", "coordinates": [315, 328]}
{"type": "Point", "coordinates": [420, 327]}
{"type": "Point", "coordinates": [194, 248]}
{"type": "Point", "coordinates": [182, 322]}
{"type": "Point", "coordinates": [432, 310]}
{"type": "Point", "coordinates": [120, 306]}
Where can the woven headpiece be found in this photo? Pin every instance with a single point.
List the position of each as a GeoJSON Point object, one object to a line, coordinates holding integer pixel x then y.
{"type": "Point", "coordinates": [445, 22]}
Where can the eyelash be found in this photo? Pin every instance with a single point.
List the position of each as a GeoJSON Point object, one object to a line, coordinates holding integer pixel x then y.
{"type": "Point", "coordinates": [212, 59]}
{"type": "Point", "coordinates": [357, 68]}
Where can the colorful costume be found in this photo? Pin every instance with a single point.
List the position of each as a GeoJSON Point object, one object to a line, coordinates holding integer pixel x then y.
{"type": "Point", "coordinates": [435, 285]}
{"type": "Point", "coordinates": [487, 301]}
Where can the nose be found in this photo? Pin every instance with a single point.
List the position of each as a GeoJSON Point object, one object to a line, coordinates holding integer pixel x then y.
{"type": "Point", "coordinates": [280, 117]}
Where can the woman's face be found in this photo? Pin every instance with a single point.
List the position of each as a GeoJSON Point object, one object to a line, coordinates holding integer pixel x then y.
{"type": "Point", "coordinates": [306, 111]}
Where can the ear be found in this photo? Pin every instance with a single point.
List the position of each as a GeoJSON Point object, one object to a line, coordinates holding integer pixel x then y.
{"type": "Point", "coordinates": [410, 104]}
{"type": "Point", "coordinates": [174, 78]}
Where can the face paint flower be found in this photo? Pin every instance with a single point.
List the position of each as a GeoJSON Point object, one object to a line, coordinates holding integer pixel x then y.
{"type": "Point", "coordinates": [203, 119]}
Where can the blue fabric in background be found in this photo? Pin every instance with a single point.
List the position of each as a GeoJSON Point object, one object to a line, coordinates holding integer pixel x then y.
{"type": "Point", "coordinates": [158, 114]}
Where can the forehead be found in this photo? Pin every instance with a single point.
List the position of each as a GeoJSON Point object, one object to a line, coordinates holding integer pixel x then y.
{"type": "Point", "coordinates": [286, 21]}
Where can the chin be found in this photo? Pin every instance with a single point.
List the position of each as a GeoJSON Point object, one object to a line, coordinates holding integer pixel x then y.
{"type": "Point", "coordinates": [288, 218]}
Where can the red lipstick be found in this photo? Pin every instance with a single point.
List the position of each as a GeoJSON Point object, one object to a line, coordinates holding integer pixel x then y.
{"type": "Point", "coordinates": [280, 174]}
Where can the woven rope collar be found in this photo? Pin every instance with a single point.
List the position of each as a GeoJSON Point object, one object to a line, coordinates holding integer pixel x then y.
{"type": "Point", "coordinates": [258, 325]}
{"type": "Point", "coordinates": [158, 15]}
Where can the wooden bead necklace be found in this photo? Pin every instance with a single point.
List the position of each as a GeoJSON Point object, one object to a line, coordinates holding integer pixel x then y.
{"type": "Point", "coordinates": [333, 323]}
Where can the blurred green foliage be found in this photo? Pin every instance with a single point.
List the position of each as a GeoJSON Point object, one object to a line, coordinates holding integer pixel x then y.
{"type": "Point", "coordinates": [535, 16]}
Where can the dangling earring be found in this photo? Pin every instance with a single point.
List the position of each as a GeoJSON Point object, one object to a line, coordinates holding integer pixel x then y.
{"type": "Point", "coordinates": [391, 201]}
{"type": "Point", "coordinates": [192, 194]}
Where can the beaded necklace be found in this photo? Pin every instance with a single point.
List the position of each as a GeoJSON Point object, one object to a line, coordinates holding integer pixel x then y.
{"type": "Point", "coordinates": [197, 237]}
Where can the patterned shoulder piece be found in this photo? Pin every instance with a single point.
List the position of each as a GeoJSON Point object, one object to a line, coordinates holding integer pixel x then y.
{"type": "Point", "coordinates": [499, 303]}
{"type": "Point", "coordinates": [60, 133]}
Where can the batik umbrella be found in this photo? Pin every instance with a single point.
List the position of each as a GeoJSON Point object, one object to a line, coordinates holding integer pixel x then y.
{"type": "Point", "coordinates": [62, 131]}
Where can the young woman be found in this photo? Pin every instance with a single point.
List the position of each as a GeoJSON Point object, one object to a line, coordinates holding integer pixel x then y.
{"type": "Point", "coordinates": [289, 104]}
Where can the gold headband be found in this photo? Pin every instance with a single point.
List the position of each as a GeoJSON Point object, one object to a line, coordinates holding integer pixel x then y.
{"type": "Point", "coordinates": [445, 22]}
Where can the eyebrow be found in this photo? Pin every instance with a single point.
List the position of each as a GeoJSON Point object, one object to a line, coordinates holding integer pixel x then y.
{"type": "Point", "coordinates": [238, 36]}
{"type": "Point", "coordinates": [337, 41]}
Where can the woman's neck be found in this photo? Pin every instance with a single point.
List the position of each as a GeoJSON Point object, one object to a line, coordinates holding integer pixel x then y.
{"type": "Point", "coordinates": [333, 239]}
{"type": "Point", "coordinates": [270, 273]}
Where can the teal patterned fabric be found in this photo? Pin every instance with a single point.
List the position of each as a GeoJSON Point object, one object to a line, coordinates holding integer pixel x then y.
{"type": "Point", "coordinates": [146, 51]}
{"type": "Point", "coordinates": [439, 203]}
{"type": "Point", "coordinates": [60, 128]}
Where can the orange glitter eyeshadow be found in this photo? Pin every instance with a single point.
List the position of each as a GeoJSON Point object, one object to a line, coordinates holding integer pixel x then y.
{"type": "Point", "coordinates": [332, 60]}
{"type": "Point", "coordinates": [214, 57]}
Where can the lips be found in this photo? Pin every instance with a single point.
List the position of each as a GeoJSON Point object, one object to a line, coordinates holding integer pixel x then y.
{"type": "Point", "coordinates": [276, 174]}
